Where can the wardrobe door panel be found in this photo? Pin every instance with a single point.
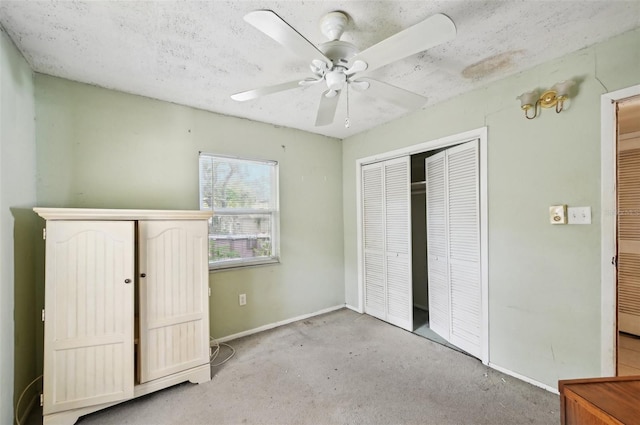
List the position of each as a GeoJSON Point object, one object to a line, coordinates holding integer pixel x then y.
{"type": "Point", "coordinates": [173, 268]}
{"type": "Point", "coordinates": [89, 298]}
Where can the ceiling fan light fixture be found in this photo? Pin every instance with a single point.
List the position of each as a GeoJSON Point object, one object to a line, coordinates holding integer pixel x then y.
{"type": "Point", "coordinates": [331, 93]}
{"type": "Point", "coordinates": [338, 63]}
{"type": "Point", "coordinates": [360, 85]}
{"type": "Point", "coordinates": [335, 79]}
{"type": "Point", "coordinates": [358, 66]}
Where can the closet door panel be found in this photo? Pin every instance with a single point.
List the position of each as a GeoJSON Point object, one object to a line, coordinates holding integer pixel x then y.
{"type": "Point", "coordinates": [174, 329]}
{"type": "Point", "coordinates": [397, 208]}
{"type": "Point", "coordinates": [464, 246]}
{"type": "Point", "coordinates": [437, 246]}
{"type": "Point", "coordinates": [374, 267]}
{"type": "Point", "coordinates": [88, 314]}
{"type": "Point", "coordinates": [628, 188]}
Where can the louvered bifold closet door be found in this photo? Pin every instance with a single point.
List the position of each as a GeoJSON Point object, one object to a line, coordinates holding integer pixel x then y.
{"type": "Point", "coordinates": [88, 328]}
{"type": "Point", "coordinates": [174, 330]}
{"type": "Point", "coordinates": [464, 246]}
{"type": "Point", "coordinates": [397, 208]}
{"type": "Point", "coordinates": [437, 246]}
{"type": "Point", "coordinates": [373, 240]}
{"type": "Point", "coordinates": [628, 189]}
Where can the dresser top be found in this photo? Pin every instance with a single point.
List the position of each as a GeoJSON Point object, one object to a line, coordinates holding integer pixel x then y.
{"type": "Point", "coordinates": [119, 214]}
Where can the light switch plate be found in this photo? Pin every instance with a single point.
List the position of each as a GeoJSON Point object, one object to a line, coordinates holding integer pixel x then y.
{"type": "Point", "coordinates": [558, 214]}
{"type": "Point", "coordinates": [579, 215]}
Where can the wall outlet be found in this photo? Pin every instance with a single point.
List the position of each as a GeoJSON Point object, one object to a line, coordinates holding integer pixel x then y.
{"type": "Point", "coordinates": [242, 299]}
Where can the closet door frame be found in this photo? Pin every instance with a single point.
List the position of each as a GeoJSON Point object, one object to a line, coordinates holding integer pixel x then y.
{"type": "Point", "coordinates": [481, 135]}
{"type": "Point", "coordinates": [608, 239]}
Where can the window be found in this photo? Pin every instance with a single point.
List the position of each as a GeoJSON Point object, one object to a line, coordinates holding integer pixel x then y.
{"type": "Point", "coordinates": [243, 195]}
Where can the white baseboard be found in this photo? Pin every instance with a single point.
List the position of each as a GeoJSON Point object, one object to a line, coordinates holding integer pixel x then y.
{"type": "Point", "coordinates": [277, 324]}
{"type": "Point", "coordinates": [357, 310]}
{"type": "Point", "coordinates": [524, 378]}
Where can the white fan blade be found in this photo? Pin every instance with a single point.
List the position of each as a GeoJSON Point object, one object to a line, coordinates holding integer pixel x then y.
{"type": "Point", "coordinates": [309, 81]}
{"type": "Point", "coordinates": [276, 28]}
{"type": "Point", "coordinates": [392, 94]}
{"type": "Point", "coordinates": [327, 109]}
{"type": "Point", "coordinates": [431, 32]}
{"type": "Point", "coordinates": [255, 93]}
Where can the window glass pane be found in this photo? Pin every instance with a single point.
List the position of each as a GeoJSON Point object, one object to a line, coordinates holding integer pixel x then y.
{"type": "Point", "coordinates": [233, 183]}
{"type": "Point", "coordinates": [243, 197]}
{"type": "Point", "coordinates": [240, 236]}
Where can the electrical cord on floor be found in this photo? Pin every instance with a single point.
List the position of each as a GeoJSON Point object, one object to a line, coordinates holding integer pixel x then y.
{"type": "Point", "coordinates": [20, 398]}
{"type": "Point", "coordinates": [214, 345]}
{"type": "Point", "coordinates": [215, 351]}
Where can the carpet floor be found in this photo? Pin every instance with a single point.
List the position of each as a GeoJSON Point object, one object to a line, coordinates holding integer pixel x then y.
{"type": "Point", "coordinates": [342, 368]}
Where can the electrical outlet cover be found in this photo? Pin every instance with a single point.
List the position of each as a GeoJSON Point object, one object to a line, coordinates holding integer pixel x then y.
{"type": "Point", "coordinates": [558, 214]}
{"type": "Point", "coordinates": [579, 215]}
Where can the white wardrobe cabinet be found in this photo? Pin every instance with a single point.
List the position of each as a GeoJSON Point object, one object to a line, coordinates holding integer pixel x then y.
{"type": "Point", "coordinates": [126, 306]}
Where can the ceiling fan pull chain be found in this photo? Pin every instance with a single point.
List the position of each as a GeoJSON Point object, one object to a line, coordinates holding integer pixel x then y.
{"type": "Point", "coordinates": [347, 121]}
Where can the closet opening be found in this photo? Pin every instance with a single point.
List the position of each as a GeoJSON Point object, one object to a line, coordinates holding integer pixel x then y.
{"type": "Point", "coordinates": [422, 227]}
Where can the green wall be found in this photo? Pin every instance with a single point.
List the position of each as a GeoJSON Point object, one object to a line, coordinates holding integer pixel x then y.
{"type": "Point", "coordinates": [92, 147]}
{"type": "Point", "coordinates": [19, 322]}
{"type": "Point", "coordinates": [106, 149]}
{"type": "Point", "coordinates": [544, 281]}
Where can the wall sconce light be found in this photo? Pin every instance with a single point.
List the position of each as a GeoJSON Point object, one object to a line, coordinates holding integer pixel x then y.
{"type": "Point", "coordinates": [555, 96]}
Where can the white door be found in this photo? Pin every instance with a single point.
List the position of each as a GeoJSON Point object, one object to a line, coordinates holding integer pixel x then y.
{"type": "Point", "coordinates": [453, 244]}
{"type": "Point", "coordinates": [397, 207]}
{"type": "Point", "coordinates": [464, 247]}
{"type": "Point", "coordinates": [174, 330]}
{"type": "Point", "coordinates": [386, 191]}
{"type": "Point", "coordinates": [375, 299]}
{"type": "Point", "coordinates": [437, 246]}
{"type": "Point", "coordinates": [89, 296]}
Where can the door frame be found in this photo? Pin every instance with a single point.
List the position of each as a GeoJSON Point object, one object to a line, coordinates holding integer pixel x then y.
{"type": "Point", "coordinates": [481, 135]}
{"type": "Point", "coordinates": [608, 205]}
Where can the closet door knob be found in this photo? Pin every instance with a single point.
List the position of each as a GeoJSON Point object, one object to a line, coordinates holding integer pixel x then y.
{"type": "Point", "coordinates": [127, 281]}
{"type": "Point", "coordinates": [143, 275]}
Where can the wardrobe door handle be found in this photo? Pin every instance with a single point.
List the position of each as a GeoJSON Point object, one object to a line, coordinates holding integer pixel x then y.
{"type": "Point", "coordinates": [127, 281]}
{"type": "Point", "coordinates": [143, 275]}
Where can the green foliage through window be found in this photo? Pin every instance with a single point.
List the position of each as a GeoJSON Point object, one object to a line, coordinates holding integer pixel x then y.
{"type": "Point", "coordinates": [243, 197]}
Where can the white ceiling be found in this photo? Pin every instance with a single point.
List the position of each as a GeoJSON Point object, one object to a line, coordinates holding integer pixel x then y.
{"type": "Point", "coordinates": [198, 53]}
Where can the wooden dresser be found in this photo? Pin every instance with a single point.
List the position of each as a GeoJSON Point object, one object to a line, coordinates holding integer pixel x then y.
{"type": "Point", "coordinates": [598, 401]}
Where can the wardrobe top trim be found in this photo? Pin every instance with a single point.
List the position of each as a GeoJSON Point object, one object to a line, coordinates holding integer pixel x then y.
{"type": "Point", "coordinates": [119, 214]}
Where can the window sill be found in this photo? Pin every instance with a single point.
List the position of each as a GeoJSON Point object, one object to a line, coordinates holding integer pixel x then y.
{"type": "Point", "coordinates": [243, 265]}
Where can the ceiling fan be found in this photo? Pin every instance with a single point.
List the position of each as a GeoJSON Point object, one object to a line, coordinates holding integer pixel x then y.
{"type": "Point", "coordinates": [340, 64]}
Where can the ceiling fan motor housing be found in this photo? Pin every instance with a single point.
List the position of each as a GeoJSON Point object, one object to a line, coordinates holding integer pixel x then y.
{"type": "Point", "coordinates": [340, 52]}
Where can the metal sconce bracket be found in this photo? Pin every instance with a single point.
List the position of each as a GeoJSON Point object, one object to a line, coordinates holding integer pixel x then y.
{"type": "Point", "coordinates": [554, 97]}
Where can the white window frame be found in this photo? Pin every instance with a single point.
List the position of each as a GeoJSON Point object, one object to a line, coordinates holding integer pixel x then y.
{"type": "Point", "coordinates": [274, 213]}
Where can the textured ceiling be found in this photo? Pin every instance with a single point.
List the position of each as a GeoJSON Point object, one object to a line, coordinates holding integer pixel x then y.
{"type": "Point", "coordinates": [198, 53]}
